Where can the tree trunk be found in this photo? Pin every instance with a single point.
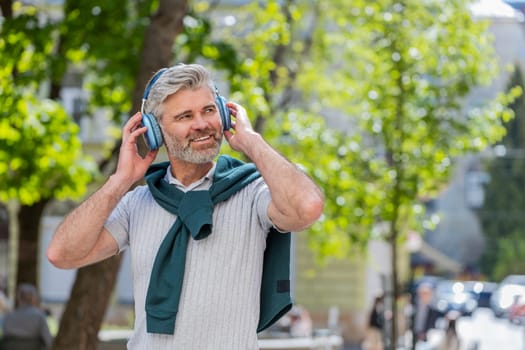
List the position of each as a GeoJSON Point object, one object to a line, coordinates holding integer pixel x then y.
{"type": "Point", "coordinates": [157, 47]}
{"type": "Point", "coordinates": [87, 305]}
{"type": "Point", "coordinates": [395, 292]}
{"type": "Point", "coordinates": [29, 218]}
{"type": "Point", "coordinates": [13, 208]}
{"type": "Point", "coordinates": [93, 285]}
{"type": "Point", "coordinates": [7, 8]}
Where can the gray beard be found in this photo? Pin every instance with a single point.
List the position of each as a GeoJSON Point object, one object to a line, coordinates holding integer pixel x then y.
{"type": "Point", "coordinates": [187, 154]}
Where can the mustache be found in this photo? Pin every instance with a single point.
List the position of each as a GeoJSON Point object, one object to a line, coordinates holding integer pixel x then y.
{"type": "Point", "coordinates": [205, 133]}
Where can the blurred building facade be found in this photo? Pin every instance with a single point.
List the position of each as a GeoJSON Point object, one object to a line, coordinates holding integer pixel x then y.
{"type": "Point", "coordinates": [459, 234]}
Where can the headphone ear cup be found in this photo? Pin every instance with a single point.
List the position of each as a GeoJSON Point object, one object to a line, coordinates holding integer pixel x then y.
{"type": "Point", "coordinates": [224, 111]}
{"type": "Point", "coordinates": [153, 135]}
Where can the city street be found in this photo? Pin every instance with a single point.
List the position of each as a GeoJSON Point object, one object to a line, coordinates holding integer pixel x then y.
{"type": "Point", "coordinates": [482, 331]}
{"type": "Point", "coordinates": [490, 332]}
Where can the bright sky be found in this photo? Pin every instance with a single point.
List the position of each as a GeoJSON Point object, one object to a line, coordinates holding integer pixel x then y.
{"type": "Point", "coordinates": [493, 8]}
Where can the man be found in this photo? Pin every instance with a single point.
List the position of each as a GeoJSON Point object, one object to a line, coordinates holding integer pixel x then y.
{"type": "Point", "coordinates": [426, 315]}
{"type": "Point", "coordinates": [201, 231]}
{"type": "Point", "coordinates": [26, 326]}
{"type": "Point", "coordinates": [376, 321]}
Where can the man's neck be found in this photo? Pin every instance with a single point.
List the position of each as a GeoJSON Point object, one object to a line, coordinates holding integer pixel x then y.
{"type": "Point", "coordinates": [188, 173]}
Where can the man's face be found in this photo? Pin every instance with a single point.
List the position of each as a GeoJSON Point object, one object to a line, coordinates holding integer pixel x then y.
{"type": "Point", "coordinates": [191, 125]}
{"type": "Point", "coordinates": [425, 294]}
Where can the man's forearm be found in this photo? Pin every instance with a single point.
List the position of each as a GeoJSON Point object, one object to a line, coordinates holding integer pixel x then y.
{"type": "Point", "coordinates": [298, 200]}
{"type": "Point", "coordinates": [80, 231]}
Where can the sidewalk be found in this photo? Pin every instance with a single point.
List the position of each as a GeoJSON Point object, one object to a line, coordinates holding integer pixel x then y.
{"type": "Point", "coordinates": [116, 340]}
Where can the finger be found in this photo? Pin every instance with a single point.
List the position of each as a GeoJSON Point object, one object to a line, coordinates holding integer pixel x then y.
{"type": "Point", "coordinates": [233, 112]}
{"type": "Point", "coordinates": [232, 106]}
{"type": "Point", "coordinates": [135, 118]}
{"type": "Point", "coordinates": [134, 123]}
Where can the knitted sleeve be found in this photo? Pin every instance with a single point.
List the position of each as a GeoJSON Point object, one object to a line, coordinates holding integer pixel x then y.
{"type": "Point", "coordinates": [262, 200]}
{"type": "Point", "coordinates": [118, 221]}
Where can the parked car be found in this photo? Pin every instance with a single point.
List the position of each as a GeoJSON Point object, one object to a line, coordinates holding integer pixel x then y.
{"type": "Point", "coordinates": [482, 291]}
{"type": "Point", "coordinates": [452, 295]}
{"type": "Point", "coordinates": [504, 296]}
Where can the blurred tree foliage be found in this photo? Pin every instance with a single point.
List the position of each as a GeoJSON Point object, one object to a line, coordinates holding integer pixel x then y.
{"type": "Point", "coordinates": [41, 154]}
{"type": "Point", "coordinates": [501, 215]}
{"type": "Point", "coordinates": [395, 75]}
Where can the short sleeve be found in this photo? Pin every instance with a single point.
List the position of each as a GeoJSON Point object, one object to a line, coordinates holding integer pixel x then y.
{"type": "Point", "coordinates": [263, 198]}
{"type": "Point", "coordinates": [118, 222]}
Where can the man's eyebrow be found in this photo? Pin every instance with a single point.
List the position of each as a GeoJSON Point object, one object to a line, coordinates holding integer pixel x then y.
{"type": "Point", "coordinates": [182, 113]}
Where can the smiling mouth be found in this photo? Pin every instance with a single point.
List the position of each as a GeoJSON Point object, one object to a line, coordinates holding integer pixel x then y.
{"type": "Point", "coordinates": [200, 139]}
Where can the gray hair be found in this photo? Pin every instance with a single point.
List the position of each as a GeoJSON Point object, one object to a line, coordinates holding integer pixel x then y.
{"type": "Point", "coordinates": [176, 78]}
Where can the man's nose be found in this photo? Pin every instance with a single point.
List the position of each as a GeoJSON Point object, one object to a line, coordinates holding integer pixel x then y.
{"type": "Point", "coordinates": [199, 122]}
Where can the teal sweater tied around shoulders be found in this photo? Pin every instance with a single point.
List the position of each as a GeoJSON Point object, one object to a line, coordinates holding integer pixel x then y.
{"type": "Point", "coordinates": [194, 210]}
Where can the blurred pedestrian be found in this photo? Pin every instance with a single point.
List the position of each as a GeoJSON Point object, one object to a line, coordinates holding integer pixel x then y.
{"type": "Point", "coordinates": [376, 321]}
{"type": "Point", "coordinates": [517, 310]}
{"type": "Point", "coordinates": [300, 322]}
{"type": "Point", "coordinates": [26, 326]}
{"type": "Point", "coordinates": [451, 339]}
{"type": "Point", "coordinates": [425, 315]}
{"type": "Point", "coordinates": [5, 306]}
{"type": "Point", "coordinates": [517, 314]}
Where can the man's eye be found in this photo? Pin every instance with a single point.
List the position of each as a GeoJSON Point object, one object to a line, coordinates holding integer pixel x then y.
{"type": "Point", "coordinates": [183, 116]}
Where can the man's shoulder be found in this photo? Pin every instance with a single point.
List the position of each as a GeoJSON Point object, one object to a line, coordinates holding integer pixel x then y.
{"type": "Point", "coordinates": [25, 313]}
{"type": "Point", "coordinates": [136, 196]}
{"type": "Point", "coordinates": [140, 190]}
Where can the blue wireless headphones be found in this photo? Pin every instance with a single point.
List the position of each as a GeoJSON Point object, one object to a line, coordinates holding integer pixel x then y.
{"type": "Point", "coordinates": [153, 135]}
